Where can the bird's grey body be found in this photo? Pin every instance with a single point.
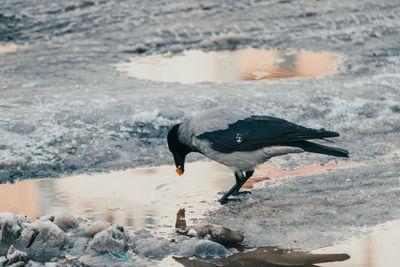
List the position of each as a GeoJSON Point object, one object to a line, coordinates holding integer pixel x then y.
{"type": "Point", "coordinates": [209, 121]}
{"type": "Point", "coordinates": [241, 141]}
{"type": "Point", "coordinates": [220, 119]}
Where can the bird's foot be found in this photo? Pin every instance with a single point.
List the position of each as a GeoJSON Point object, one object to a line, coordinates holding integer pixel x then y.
{"type": "Point", "coordinates": [224, 201]}
{"type": "Point", "coordinates": [239, 193]}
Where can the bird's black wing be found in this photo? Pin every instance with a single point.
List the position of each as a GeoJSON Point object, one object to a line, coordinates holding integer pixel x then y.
{"type": "Point", "coordinates": [260, 131]}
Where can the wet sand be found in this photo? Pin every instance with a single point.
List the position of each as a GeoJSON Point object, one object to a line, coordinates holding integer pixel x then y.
{"type": "Point", "coordinates": [249, 64]}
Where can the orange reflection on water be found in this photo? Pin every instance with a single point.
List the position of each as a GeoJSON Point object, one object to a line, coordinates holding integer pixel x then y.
{"type": "Point", "coordinates": [259, 64]}
{"type": "Point", "coordinates": [136, 198]}
{"type": "Point", "coordinates": [270, 171]}
{"type": "Point", "coordinates": [249, 64]}
{"type": "Point", "coordinates": [20, 198]}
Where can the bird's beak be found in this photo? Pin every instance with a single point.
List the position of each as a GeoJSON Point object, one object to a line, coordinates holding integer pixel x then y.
{"type": "Point", "coordinates": [179, 170]}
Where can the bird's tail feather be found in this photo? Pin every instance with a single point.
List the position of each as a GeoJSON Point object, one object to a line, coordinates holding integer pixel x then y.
{"type": "Point", "coordinates": [321, 149]}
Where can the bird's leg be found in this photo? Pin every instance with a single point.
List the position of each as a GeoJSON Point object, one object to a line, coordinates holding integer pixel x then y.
{"type": "Point", "coordinates": [241, 181]}
{"type": "Point", "coordinates": [239, 177]}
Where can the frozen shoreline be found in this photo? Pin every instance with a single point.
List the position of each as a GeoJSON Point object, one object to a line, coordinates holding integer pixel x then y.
{"type": "Point", "coordinates": [62, 239]}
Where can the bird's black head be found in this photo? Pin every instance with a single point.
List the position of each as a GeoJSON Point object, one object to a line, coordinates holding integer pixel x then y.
{"type": "Point", "coordinates": [178, 149]}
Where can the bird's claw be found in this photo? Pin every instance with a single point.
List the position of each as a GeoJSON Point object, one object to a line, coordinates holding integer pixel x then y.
{"type": "Point", "coordinates": [224, 201]}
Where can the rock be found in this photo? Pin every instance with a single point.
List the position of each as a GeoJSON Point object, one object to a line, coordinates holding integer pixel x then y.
{"type": "Point", "coordinates": [96, 227]}
{"type": "Point", "coordinates": [49, 238]}
{"type": "Point", "coordinates": [110, 239]}
{"type": "Point", "coordinates": [219, 234]}
{"type": "Point", "coordinates": [14, 256]}
{"type": "Point", "coordinates": [65, 221]}
{"type": "Point", "coordinates": [180, 224]}
{"type": "Point", "coordinates": [10, 230]}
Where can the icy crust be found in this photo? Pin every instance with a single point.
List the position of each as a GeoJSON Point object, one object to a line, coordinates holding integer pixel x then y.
{"type": "Point", "coordinates": [64, 109]}
{"type": "Point", "coordinates": [92, 244]}
{"type": "Point", "coordinates": [79, 135]}
{"type": "Point", "coordinates": [319, 210]}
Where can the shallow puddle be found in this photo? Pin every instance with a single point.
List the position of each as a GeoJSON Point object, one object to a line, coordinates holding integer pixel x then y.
{"type": "Point", "coordinates": [136, 198]}
{"type": "Point", "coordinates": [379, 248]}
{"type": "Point", "coordinates": [247, 64]}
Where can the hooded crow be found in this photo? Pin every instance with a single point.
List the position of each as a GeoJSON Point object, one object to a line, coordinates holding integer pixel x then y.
{"type": "Point", "coordinates": [241, 141]}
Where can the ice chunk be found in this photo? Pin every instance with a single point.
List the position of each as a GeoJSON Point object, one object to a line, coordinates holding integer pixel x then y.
{"type": "Point", "coordinates": [14, 255]}
{"type": "Point", "coordinates": [96, 227]}
{"type": "Point", "coordinates": [28, 235]}
{"type": "Point", "coordinates": [46, 218]}
{"type": "Point", "coordinates": [10, 230]}
{"type": "Point", "coordinates": [79, 246]}
{"type": "Point", "coordinates": [153, 247]}
{"type": "Point", "coordinates": [3, 261]}
{"type": "Point", "coordinates": [33, 264]}
{"type": "Point", "coordinates": [202, 248]}
{"type": "Point", "coordinates": [52, 264]}
{"type": "Point", "coordinates": [142, 234]}
{"type": "Point", "coordinates": [49, 239]}
{"type": "Point", "coordinates": [17, 264]}
{"type": "Point", "coordinates": [65, 221]}
{"type": "Point", "coordinates": [171, 113]}
{"type": "Point", "coordinates": [110, 239]}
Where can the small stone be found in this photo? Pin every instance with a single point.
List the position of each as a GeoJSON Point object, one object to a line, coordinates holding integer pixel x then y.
{"type": "Point", "coordinates": [180, 224]}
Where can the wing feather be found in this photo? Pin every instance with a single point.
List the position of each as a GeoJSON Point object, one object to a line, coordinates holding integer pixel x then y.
{"type": "Point", "coordinates": [256, 132]}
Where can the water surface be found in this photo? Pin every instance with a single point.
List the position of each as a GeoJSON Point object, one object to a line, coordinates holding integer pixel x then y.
{"type": "Point", "coordinates": [249, 64]}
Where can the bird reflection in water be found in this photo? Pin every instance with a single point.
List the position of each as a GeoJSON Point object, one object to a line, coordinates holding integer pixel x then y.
{"type": "Point", "coordinates": [267, 256]}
